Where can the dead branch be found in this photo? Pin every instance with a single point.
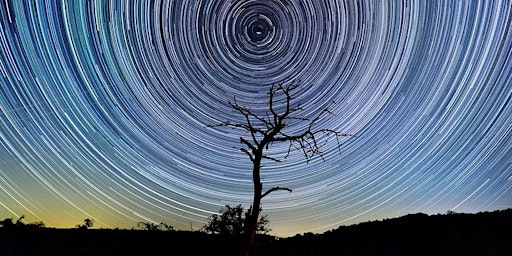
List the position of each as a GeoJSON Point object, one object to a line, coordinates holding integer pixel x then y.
{"type": "Point", "coordinates": [275, 189]}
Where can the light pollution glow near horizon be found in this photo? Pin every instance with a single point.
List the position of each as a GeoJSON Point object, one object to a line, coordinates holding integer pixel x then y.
{"type": "Point", "coordinates": [104, 107]}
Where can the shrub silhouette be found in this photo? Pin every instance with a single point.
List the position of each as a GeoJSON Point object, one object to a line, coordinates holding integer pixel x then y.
{"type": "Point", "coordinates": [7, 223]}
{"type": "Point", "coordinates": [154, 227]}
{"type": "Point", "coordinates": [231, 221]}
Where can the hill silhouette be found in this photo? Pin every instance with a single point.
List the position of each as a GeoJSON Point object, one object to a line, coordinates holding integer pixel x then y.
{"type": "Point", "coordinates": [487, 233]}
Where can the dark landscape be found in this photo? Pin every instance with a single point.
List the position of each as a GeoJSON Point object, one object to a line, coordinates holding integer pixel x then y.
{"type": "Point", "coordinates": [486, 233]}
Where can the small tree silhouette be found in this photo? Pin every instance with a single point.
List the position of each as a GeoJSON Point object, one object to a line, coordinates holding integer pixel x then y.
{"type": "Point", "coordinates": [273, 127]}
{"type": "Point", "coordinates": [19, 222]}
{"type": "Point", "coordinates": [231, 221]}
{"type": "Point", "coordinates": [7, 223]}
{"type": "Point", "coordinates": [88, 223]}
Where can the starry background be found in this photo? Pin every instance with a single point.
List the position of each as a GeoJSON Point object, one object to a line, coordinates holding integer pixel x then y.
{"type": "Point", "coordinates": [104, 108]}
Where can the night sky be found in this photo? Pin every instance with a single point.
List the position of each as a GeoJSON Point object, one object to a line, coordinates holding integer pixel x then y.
{"type": "Point", "coordinates": [104, 108]}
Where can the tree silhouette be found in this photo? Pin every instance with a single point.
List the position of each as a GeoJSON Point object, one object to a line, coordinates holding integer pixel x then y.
{"type": "Point", "coordinates": [272, 127]}
{"type": "Point", "coordinates": [19, 222]}
{"type": "Point", "coordinates": [231, 221]}
{"type": "Point", "coordinates": [7, 223]}
{"type": "Point", "coordinates": [88, 223]}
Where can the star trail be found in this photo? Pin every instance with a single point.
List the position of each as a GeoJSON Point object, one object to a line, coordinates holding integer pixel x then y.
{"type": "Point", "coordinates": [105, 108]}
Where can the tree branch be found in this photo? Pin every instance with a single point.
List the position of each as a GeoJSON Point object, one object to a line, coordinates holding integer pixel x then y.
{"type": "Point", "coordinates": [271, 158]}
{"type": "Point", "coordinates": [275, 189]}
{"type": "Point", "coordinates": [248, 153]}
{"type": "Point", "coordinates": [249, 145]}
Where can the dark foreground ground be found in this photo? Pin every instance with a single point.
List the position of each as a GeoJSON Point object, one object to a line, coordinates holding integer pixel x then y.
{"type": "Point", "coordinates": [416, 234]}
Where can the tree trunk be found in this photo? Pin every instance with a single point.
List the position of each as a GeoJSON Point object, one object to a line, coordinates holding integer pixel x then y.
{"type": "Point", "coordinates": [254, 211]}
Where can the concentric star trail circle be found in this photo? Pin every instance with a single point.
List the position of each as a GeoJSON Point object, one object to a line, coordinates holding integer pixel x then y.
{"type": "Point", "coordinates": [104, 108]}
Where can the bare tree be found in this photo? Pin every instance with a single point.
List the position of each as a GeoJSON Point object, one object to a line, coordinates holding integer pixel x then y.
{"type": "Point", "coordinates": [265, 130]}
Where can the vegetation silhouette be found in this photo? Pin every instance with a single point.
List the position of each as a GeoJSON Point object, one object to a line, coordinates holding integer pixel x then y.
{"type": "Point", "coordinates": [231, 221]}
{"type": "Point", "coordinates": [154, 227]}
{"type": "Point", "coordinates": [485, 233]}
{"type": "Point", "coordinates": [274, 127]}
{"type": "Point", "coordinates": [88, 223]}
{"type": "Point", "coordinates": [8, 223]}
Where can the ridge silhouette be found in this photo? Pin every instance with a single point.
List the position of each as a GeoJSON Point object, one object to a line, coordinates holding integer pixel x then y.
{"type": "Point", "coordinates": [485, 233]}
